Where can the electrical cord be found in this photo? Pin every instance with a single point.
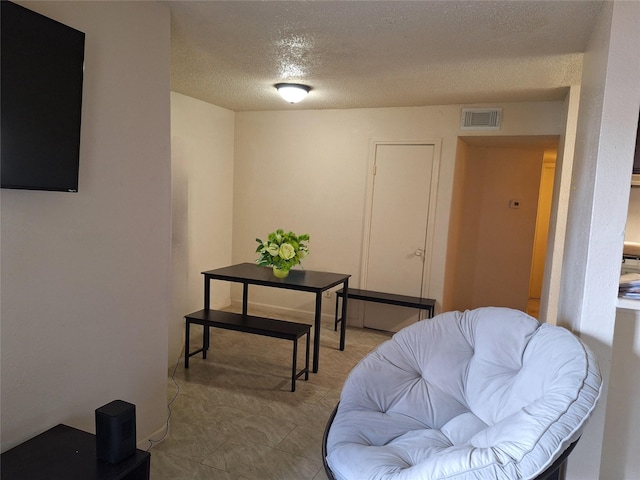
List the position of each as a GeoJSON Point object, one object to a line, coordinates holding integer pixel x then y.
{"type": "Point", "coordinates": [166, 431]}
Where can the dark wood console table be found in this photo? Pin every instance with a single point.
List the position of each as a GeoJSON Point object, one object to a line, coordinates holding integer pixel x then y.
{"type": "Point", "coordinates": [301, 280]}
{"type": "Point", "coordinates": [66, 453]}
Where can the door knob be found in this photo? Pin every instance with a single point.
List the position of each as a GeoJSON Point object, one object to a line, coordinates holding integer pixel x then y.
{"type": "Point", "coordinates": [419, 252]}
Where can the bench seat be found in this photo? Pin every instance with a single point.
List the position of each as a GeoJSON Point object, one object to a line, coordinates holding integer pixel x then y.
{"type": "Point", "coordinates": [268, 327]}
{"type": "Point", "coordinates": [427, 304]}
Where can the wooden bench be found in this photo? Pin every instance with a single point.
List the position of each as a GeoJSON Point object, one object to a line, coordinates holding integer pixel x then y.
{"type": "Point", "coordinates": [427, 304]}
{"type": "Point", "coordinates": [268, 327]}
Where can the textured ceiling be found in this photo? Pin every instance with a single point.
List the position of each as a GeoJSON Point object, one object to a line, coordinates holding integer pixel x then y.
{"type": "Point", "coordinates": [366, 53]}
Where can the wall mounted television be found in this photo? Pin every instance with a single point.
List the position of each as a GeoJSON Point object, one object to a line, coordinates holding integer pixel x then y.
{"type": "Point", "coordinates": [635, 175]}
{"type": "Point", "coordinates": [41, 76]}
{"type": "Point", "coordinates": [636, 159]}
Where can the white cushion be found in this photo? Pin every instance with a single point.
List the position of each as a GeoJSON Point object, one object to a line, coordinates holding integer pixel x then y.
{"type": "Point", "coordinates": [488, 393]}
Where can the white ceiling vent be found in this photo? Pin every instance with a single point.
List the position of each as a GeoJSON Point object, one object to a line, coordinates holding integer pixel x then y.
{"type": "Point", "coordinates": [480, 119]}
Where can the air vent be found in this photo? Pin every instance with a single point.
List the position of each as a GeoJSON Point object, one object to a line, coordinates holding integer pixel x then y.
{"type": "Point", "coordinates": [480, 119]}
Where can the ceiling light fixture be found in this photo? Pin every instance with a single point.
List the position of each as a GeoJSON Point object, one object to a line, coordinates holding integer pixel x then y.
{"type": "Point", "coordinates": [292, 92]}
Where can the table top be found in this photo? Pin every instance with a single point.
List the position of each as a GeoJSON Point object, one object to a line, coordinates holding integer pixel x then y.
{"type": "Point", "coordinates": [63, 452]}
{"type": "Point", "coordinates": [306, 280]}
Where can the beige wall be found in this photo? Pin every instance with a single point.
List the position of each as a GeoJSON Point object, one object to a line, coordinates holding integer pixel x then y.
{"type": "Point", "coordinates": [202, 190]}
{"type": "Point", "coordinates": [86, 277]}
{"type": "Point", "coordinates": [307, 171]}
{"type": "Point", "coordinates": [495, 241]}
{"type": "Point", "coordinates": [455, 225]}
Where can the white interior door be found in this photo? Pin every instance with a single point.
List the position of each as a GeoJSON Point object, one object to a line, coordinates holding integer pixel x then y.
{"type": "Point", "coordinates": [397, 243]}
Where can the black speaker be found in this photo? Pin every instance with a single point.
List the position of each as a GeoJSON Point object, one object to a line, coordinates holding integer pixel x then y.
{"type": "Point", "coordinates": [115, 431]}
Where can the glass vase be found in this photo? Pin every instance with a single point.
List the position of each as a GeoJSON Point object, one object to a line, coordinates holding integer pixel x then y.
{"type": "Point", "coordinates": [280, 273]}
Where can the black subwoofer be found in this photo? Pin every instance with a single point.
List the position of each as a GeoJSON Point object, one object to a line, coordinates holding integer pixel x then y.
{"type": "Point", "coordinates": [115, 431]}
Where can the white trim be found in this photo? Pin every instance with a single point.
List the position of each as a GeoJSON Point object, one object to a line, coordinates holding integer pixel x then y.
{"type": "Point", "coordinates": [148, 441]}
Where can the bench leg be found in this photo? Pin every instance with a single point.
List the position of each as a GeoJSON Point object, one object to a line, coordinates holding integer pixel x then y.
{"type": "Point", "coordinates": [294, 361]}
{"type": "Point", "coordinates": [186, 344]}
{"type": "Point", "coordinates": [343, 324]}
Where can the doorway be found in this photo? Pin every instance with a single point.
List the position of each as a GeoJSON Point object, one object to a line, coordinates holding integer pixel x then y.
{"type": "Point", "coordinates": [399, 228]}
{"type": "Point", "coordinates": [495, 260]}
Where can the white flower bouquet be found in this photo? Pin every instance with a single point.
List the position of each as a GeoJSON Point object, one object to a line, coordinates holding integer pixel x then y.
{"type": "Point", "coordinates": [282, 250]}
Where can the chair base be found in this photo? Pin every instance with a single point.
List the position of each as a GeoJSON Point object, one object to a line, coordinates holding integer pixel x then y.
{"type": "Point", "coordinates": [327, 470]}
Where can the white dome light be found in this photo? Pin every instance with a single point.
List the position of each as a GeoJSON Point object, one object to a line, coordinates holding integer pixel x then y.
{"type": "Point", "coordinates": [292, 92]}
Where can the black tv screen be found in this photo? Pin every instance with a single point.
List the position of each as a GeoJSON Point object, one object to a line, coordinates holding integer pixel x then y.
{"type": "Point", "coordinates": [636, 159]}
{"type": "Point", "coordinates": [41, 74]}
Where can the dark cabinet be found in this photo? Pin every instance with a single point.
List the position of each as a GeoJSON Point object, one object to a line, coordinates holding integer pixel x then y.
{"type": "Point", "coordinates": [66, 453]}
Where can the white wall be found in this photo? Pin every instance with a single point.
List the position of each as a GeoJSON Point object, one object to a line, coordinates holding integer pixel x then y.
{"type": "Point", "coordinates": [605, 140]}
{"type": "Point", "coordinates": [202, 183]}
{"type": "Point", "coordinates": [552, 280]}
{"type": "Point", "coordinates": [621, 441]}
{"type": "Point", "coordinates": [86, 277]}
{"type": "Point", "coordinates": [307, 171]}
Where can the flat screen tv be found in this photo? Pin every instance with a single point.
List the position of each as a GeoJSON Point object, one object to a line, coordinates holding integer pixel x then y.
{"type": "Point", "coordinates": [635, 175]}
{"type": "Point", "coordinates": [636, 158]}
{"type": "Point", "coordinates": [41, 74]}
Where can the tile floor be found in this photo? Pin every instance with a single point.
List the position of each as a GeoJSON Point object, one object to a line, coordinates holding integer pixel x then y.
{"type": "Point", "coordinates": [235, 418]}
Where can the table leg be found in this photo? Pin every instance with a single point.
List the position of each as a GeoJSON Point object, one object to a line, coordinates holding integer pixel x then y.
{"type": "Point", "coordinates": [207, 306]}
{"type": "Point", "coordinates": [186, 344]}
{"type": "Point", "coordinates": [343, 323]}
{"type": "Point", "coordinates": [207, 293]}
{"type": "Point", "coordinates": [245, 296]}
{"type": "Point", "coordinates": [205, 340]}
{"type": "Point", "coordinates": [316, 332]}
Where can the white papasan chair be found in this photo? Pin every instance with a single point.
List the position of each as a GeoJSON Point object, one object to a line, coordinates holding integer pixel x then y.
{"type": "Point", "coordinates": [483, 394]}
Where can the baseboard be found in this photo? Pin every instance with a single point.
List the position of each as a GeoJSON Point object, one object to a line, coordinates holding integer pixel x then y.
{"type": "Point", "coordinates": [263, 308]}
{"type": "Point", "coordinates": [154, 437]}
